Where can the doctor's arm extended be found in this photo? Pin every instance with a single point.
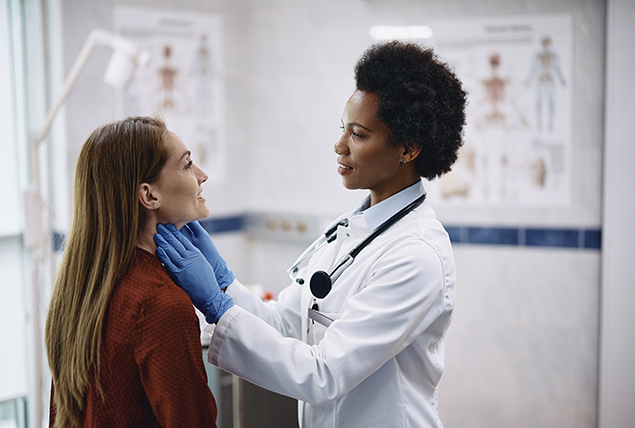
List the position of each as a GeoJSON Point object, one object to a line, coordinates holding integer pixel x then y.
{"type": "Point", "coordinates": [182, 253]}
{"type": "Point", "coordinates": [403, 298]}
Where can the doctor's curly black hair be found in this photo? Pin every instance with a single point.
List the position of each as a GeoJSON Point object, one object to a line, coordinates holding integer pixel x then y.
{"type": "Point", "coordinates": [421, 101]}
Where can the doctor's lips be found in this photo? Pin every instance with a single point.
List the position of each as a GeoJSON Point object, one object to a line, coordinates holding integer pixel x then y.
{"type": "Point", "coordinates": [341, 168]}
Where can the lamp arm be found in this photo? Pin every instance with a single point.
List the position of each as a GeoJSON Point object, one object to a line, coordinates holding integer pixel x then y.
{"type": "Point", "coordinates": [88, 47]}
{"type": "Point", "coordinates": [32, 196]}
{"type": "Point", "coordinates": [95, 38]}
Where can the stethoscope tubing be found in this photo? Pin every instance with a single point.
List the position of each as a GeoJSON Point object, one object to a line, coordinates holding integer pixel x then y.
{"type": "Point", "coordinates": [326, 238]}
{"type": "Point", "coordinates": [311, 249]}
{"type": "Point", "coordinates": [321, 282]}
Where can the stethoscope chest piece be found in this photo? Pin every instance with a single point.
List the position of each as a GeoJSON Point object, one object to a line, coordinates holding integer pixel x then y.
{"type": "Point", "coordinates": [320, 284]}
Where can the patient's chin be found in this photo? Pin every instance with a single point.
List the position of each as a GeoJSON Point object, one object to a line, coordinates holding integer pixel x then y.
{"type": "Point", "coordinates": [180, 224]}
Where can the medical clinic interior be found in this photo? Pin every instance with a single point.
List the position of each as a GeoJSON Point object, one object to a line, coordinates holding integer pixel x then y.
{"type": "Point", "coordinates": [539, 206]}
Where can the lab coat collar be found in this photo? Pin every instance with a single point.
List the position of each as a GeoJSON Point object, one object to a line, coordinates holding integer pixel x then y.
{"type": "Point", "coordinates": [377, 214]}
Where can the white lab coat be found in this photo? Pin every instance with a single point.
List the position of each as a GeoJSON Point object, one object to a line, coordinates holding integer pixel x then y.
{"type": "Point", "coordinates": [379, 363]}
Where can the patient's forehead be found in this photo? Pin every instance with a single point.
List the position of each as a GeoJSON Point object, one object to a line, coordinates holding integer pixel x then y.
{"type": "Point", "coordinates": [176, 147]}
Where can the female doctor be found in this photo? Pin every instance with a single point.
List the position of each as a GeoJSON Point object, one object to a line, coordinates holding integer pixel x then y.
{"type": "Point", "coordinates": [357, 337]}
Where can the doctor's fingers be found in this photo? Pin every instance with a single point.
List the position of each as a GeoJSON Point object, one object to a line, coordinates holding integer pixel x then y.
{"type": "Point", "coordinates": [197, 230]}
{"type": "Point", "coordinates": [176, 239]}
{"type": "Point", "coordinates": [167, 245]}
{"type": "Point", "coordinates": [187, 232]}
{"type": "Point", "coordinates": [163, 256]}
{"type": "Point", "coordinates": [184, 240]}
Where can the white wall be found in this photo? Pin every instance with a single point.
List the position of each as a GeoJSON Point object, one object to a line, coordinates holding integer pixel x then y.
{"type": "Point", "coordinates": [617, 352]}
{"type": "Point", "coordinates": [522, 350]}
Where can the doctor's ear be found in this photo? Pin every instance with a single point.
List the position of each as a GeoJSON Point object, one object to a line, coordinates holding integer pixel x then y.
{"type": "Point", "coordinates": [410, 153]}
{"type": "Point", "coordinates": [147, 198]}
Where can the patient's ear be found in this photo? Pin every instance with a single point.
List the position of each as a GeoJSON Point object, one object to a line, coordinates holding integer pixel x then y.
{"type": "Point", "coordinates": [148, 198]}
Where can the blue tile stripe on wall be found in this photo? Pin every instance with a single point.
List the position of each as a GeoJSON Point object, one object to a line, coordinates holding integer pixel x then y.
{"type": "Point", "coordinates": [224, 224]}
{"type": "Point", "coordinates": [529, 237]}
{"type": "Point", "coordinates": [476, 235]}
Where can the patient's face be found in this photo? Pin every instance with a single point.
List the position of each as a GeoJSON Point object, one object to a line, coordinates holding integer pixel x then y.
{"type": "Point", "coordinates": [179, 187]}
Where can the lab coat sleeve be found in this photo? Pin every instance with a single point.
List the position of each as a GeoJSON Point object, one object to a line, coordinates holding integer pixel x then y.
{"type": "Point", "coordinates": [282, 314]}
{"type": "Point", "coordinates": [404, 295]}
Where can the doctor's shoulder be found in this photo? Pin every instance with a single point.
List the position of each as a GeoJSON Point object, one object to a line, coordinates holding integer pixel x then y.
{"type": "Point", "coordinates": [422, 247]}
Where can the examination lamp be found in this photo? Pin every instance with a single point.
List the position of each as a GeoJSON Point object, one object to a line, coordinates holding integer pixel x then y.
{"type": "Point", "coordinates": [128, 62]}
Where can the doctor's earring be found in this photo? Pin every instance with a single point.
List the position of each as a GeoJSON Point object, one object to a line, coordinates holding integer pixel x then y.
{"type": "Point", "coordinates": [403, 161]}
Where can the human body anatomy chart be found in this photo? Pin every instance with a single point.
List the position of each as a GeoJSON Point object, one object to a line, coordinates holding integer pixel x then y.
{"type": "Point", "coordinates": [518, 139]}
{"type": "Point", "coordinates": [184, 82]}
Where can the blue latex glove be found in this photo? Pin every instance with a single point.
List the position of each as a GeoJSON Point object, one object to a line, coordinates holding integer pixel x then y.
{"type": "Point", "coordinates": [201, 240]}
{"type": "Point", "coordinates": [192, 273]}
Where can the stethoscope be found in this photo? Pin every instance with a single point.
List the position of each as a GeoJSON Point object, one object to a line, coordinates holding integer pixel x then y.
{"type": "Point", "coordinates": [322, 282]}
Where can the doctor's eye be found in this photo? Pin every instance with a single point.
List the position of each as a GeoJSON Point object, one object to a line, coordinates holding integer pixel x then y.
{"type": "Point", "coordinates": [189, 165]}
{"type": "Point", "coordinates": [355, 134]}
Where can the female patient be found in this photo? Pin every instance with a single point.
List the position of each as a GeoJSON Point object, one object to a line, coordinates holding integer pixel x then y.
{"type": "Point", "coordinates": [113, 301]}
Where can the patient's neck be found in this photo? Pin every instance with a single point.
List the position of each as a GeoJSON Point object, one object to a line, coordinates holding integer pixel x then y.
{"type": "Point", "coordinates": [145, 239]}
{"type": "Point", "coordinates": [145, 236]}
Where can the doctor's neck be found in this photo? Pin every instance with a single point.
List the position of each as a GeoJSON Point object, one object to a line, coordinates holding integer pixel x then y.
{"type": "Point", "coordinates": [380, 195]}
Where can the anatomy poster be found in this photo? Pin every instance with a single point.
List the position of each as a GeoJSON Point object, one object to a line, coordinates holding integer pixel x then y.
{"type": "Point", "coordinates": [518, 72]}
{"type": "Point", "coordinates": [184, 81]}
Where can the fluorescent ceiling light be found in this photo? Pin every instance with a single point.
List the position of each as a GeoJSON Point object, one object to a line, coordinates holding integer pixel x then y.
{"type": "Point", "coordinates": [382, 32]}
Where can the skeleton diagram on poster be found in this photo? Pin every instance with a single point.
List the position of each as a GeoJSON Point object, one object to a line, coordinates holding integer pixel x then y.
{"type": "Point", "coordinates": [184, 82]}
{"type": "Point", "coordinates": [518, 139]}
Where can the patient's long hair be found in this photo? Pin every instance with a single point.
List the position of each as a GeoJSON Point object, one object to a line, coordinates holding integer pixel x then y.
{"type": "Point", "coordinates": [107, 218]}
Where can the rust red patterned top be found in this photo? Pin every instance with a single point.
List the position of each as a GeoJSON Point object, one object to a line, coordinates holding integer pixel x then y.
{"type": "Point", "coordinates": [151, 361]}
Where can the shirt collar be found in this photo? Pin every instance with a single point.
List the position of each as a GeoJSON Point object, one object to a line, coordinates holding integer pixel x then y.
{"type": "Point", "coordinates": [377, 214]}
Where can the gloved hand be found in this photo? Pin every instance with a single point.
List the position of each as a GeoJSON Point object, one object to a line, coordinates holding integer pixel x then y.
{"type": "Point", "coordinates": [201, 240]}
{"type": "Point", "coordinates": [192, 273]}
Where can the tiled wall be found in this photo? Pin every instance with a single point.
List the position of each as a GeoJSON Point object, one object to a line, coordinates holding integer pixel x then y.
{"type": "Point", "coordinates": [523, 345]}
{"type": "Point", "coordinates": [522, 349]}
